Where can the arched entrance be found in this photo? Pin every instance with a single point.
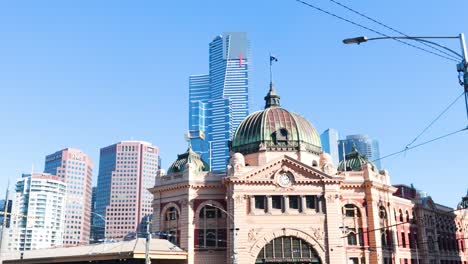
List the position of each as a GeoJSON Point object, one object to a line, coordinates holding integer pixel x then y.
{"type": "Point", "coordinates": [288, 250]}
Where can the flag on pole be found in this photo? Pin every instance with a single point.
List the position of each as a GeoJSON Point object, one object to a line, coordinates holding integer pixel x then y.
{"type": "Point", "coordinates": [240, 59]}
{"type": "Point", "coordinates": [273, 59]}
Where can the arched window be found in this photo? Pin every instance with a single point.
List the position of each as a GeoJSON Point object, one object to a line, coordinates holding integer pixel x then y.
{"type": "Point", "coordinates": [170, 224]}
{"type": "Point", "coordinates": [211, 228]}
{"type": "Point", "coordinates": [284, 249]}
{"type": "Point", "coordinates": [430, 244]}
{"type": "Point", "coordinates": [401, 215]}
{"type": "Point", "coordinates": [382, 213]}
{"type": "Point", "coordinates": [352, 239]}
{"type": "Point", "coordinates": [351, 210]}
{"type": "Point", "coordinates": [407, 217]}
{"type": "Point", "coordinates": [383, 237]}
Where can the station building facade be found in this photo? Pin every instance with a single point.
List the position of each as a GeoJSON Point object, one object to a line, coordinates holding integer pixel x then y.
{"type": "Point", "coordinates": [283, 200]}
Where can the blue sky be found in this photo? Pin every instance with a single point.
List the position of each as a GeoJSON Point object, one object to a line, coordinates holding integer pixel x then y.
{"type": "Point", "coordinates": [87, 74]}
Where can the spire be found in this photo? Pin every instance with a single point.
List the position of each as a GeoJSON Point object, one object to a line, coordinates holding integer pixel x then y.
{"type": "Point", "coordinates": [272, 99]}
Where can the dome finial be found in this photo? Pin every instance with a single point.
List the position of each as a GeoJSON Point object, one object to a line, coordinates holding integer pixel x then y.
{"type": "Point", "coordinates": [272, 99]}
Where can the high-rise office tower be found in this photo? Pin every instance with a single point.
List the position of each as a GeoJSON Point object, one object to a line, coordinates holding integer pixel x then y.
{"type": "Point", "coordinates": [3, 218]}
{"type": "Point", "coordinates": [219, 101]}
{"type": "Point", "coordinates": [75, 168]}
{"type": "Point", "coordinates": [41, 197]}
{"type": "Point", "coordinates": [329, 139]}
{"type": "Point", "coordinates": [126, 171]}
{"type": "Point", "coordinates": [366, 146]}
{"type": "Point", "coordinates": [5, 207]}
{"type": "Point", "coordinates": [94, 228]}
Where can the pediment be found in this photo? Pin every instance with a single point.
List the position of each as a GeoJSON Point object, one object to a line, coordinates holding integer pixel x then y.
{"type": "Point", "coordinates": [298, 172]}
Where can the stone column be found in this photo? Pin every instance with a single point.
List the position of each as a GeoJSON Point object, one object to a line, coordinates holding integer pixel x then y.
{"type": "Point", "coordinates": [238, 206]}
{"type": "Point", "coordinates": [269, 208]}
{"type": "Point", "coordinates": [286, 204]}
{"type": "Point", "coordinates": [303, 204]}
{"type": "Point", "coordinates": [319, 204]}
{"type": "Point", "coordinates": [252, 203]}
{"type": "Point", "coordinates": [187, 227]}
{"type": "Point", "coordinates": [336, 248]}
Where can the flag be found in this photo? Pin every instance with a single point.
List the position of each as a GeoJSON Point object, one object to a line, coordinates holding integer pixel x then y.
{"type": "Point", "coordinates": [273, 59]}
{"type": "Point", "coordinates": [240, 59]}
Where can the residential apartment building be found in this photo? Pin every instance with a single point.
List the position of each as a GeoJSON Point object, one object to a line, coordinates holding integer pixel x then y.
{"type": "Point", "coordinates": [38, 212]}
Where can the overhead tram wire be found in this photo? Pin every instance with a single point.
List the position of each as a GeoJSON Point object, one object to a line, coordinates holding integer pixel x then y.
{"type": "Point", "coordinates": [392, 29]}
{"type": "Point", "coordinates": [372, 30]}
{"type": "Point", "coordinates": [423, 143]}
{"type": "Point", "coordinates": [434, 120]}
{"type": "Point", "coordinates": [397, 224]}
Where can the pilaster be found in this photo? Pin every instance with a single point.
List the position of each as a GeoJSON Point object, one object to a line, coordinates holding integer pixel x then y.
{"type": "Point", "coordinates": [336, 249]}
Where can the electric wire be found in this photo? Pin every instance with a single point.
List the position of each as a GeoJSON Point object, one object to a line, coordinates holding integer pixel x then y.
{"type": "Point", "coordinates": [421, 144]}
{"type": "Point", "coordinates": [370, 29]}
{"type": "Point", "coordinates": [434, 120]}
{"type": "Point", "coordinates": [397, 224]}
{"type": "Point", "coordinates": [391, 28]}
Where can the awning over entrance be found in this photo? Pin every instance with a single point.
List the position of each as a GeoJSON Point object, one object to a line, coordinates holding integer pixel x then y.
{"type": "Point", "coordinates": [161, 250]}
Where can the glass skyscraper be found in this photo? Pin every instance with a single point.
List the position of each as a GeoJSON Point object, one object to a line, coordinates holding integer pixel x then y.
{"type": "Point", "coordinates": [218, 101]}
{"type": "Point", "coordinates": [329, 139]}
{"type": "Point", "coordinates": [366, 146]}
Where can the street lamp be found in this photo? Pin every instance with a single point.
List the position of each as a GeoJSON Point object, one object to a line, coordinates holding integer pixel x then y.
{"type": "Point", "coordinates": [103, 219]}
{"type": "Point", "coordinates": [234, 231]}
{"type": "Point", "coordinates": [462, 67]}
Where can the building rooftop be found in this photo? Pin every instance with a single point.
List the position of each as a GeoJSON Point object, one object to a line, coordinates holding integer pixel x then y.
{"type": "Point", "coordinates": [159, 249]}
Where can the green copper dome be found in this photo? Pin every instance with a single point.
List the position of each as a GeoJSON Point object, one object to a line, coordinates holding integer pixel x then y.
{"type": "Point", "coordinates": [275, 129]}
{"type": "Point", "coordinates": [354, 161]}
{"type": "Point", "coordinates": [189, 156]}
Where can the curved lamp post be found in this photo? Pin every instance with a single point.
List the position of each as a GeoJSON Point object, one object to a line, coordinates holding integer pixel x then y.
{"type": "Point", "coordinates": [234, 240]}
{"type": "Point", "coordinates": [462, 67]}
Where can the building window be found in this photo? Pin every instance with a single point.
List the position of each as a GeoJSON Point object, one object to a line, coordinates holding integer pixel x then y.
{"type": "Point", "coordinates": [260, 202]}
{"type": "Point", "coordinates": [170, 225]}
{"type": "Point", "coordinates": [283, 249]}
{"type": "Point", "coordinates": [294, 202]}
{"type": "Point", "coordinates": [353, 260]}
{"type": "Point", "coordinates": [382, 213]}
{"type": "Point", "coordinates": [310, 202]}
{"type": "Point", "coordinates": [276, 202]}
{"type": "Point", "coordinates": [350, 210]}
{"type": "Point", "coordinates": [352, 239]}
{"type": "Point", "coordinates": [211, 228]}
{"type": "Point", "coordinates": [403, 239]}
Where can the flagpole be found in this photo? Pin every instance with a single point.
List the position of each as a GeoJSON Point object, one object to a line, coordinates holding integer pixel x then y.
{"type": "Point", "coordinates": [271, 76]}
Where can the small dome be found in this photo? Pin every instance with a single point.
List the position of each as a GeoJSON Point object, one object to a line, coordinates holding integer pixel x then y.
{"type": "Point", "coordinates": [275, 128]}
{"type": "Point", "coordinates": [354, 161]}
{"type": "Point", "coordinates": [189, 157]}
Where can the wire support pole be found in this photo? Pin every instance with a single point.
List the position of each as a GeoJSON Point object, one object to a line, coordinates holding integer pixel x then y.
{"type": "Point", "coordinates": [234, 230]}
{"type": "Point", "coordinates": [148, 241]}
